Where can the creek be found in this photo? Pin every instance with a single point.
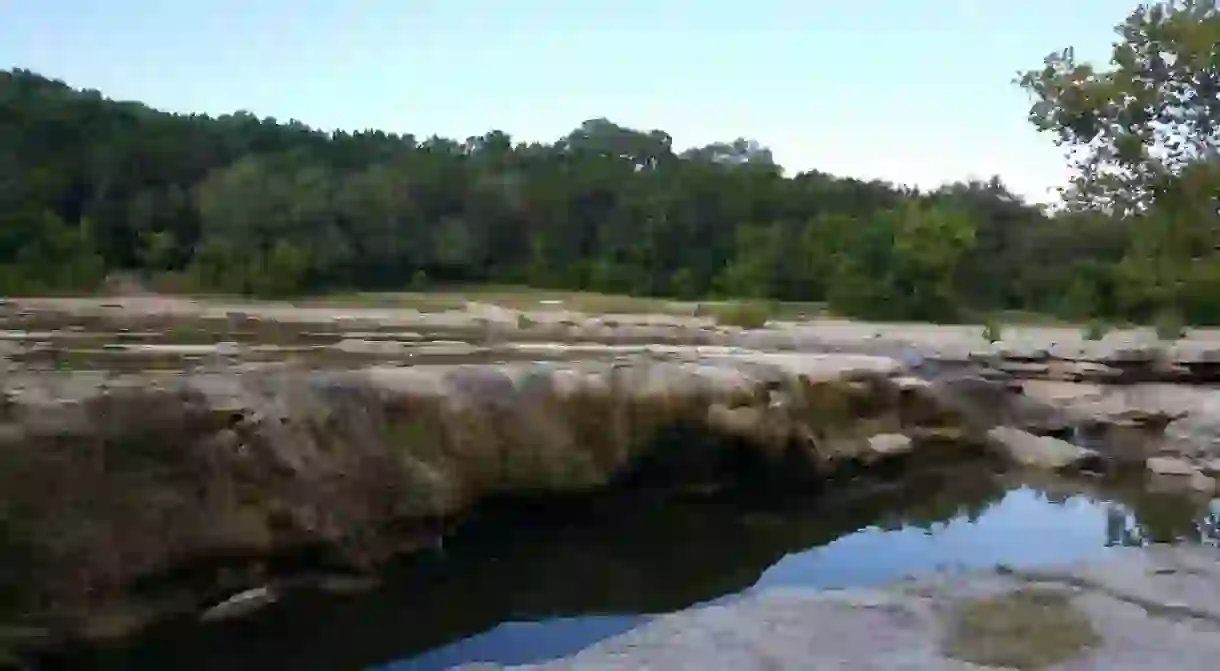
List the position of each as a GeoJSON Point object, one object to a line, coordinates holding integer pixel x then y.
{"type": "Point", "coordinates": [520, 583]}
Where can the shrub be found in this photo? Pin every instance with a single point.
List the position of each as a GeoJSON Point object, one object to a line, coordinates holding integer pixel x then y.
{"type": "Point", "coordinates": [1169, 325]}
{"type": "Point", "coordinates": [992, 330]}
{"type": "Point", "coordinates": [745, 315]}
{"type": "Point", "coordinates": [1096, 329]}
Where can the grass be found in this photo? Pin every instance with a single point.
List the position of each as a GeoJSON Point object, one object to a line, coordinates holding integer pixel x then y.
{"type": "Point", "coordinates": [517, 298]}
{"type": "Point", "coordinates": [1169, 325]}
{"type": "Point", "coordinates": [1028, 628]}
{"type": "Point", "coordinates": [746, 315]}
{"type": "Point", "coordinates": [993, 331]}
{"type": "Point", "coordinates": [1095, 330]}
{"type": "Point", "coordinates": [438, 297]}
{"type": "Point", "coordinates": [526, 298]}
{"type": "Point", "coordinates": [1026, 318]}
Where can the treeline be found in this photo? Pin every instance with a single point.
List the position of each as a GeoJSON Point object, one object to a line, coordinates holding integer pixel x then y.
{"type": "Point", "coordinates": [91, 186]}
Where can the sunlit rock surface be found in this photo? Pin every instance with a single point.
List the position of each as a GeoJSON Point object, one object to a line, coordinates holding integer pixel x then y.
{"type": "Point", "coordinates": [142, 435]}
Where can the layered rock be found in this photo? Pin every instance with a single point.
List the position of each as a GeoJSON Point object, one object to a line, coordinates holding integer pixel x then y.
{"type": "Point", "coordinates": [1053, 353]}
{"type": "Point", "coordinates": [1172, 431]}
{"type": "Point", "coordinates": [106, 480]}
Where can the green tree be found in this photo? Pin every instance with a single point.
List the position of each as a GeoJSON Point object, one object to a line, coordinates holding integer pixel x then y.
{"type": "Point", "coordinates": [1145, 137]}
{"type": "Point", "coordinates": [42, 253]}
{"type": "Point", "coordinates": [255, 205]}
{"type": "Point", "coordinates": [930, 243]}
{"type": "Point", "coordinates": [1134, 128]}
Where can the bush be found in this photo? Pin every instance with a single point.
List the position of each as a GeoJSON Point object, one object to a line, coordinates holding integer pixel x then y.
{"type": "Point", "coordinates": [745, 315]}
{"type": "Point", "coordinates": [1169, 325]}
{"type": "Point", "coordinates": [992, 331]}
{"type": "Point", "coordinates": [1096, 329]}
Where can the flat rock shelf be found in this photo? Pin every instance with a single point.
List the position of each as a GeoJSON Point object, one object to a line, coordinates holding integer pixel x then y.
{"type": "Point", "coordinates": [173, 469]}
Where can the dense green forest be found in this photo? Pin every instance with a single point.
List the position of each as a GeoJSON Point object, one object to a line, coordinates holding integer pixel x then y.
{"type": "Point", "coordinates": [237, 203]}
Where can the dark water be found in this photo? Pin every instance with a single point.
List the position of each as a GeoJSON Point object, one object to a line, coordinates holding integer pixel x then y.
{"type": "Point", "coordinates": [516, 587]}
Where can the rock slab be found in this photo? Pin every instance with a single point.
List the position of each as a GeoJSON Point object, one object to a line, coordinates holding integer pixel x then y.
{"type": "Point", "coordinates": [1032, 451]}
{"type": "Point", "coordinates": [1148, 608]}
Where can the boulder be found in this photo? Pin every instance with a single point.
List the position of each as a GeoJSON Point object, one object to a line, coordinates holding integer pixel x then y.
{"type": "Point", "coordinates": [1176, 473]}
{"type": "Point", "coordinates": [887, 445]}
{"type": "Point", "coordinates": [1026, 449]}
{"type": "Point", "coordinates": [1196, 434]}
{"type": "Point", "coordinates": [1131, 423]}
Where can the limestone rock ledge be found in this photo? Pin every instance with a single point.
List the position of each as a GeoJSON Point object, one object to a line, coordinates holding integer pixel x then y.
{"type": "Point", "coordinates": [106, 480]}
{"type": "Point", "coordinates": [1141, 608]}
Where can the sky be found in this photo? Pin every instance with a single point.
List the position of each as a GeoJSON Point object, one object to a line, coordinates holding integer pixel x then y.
{"type": "Point", "coordinates": [916, 92]}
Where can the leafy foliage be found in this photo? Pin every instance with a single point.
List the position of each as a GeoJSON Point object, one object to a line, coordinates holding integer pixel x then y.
{"type": "Point", "coordinates": [1144, 136]}
{"type": "Point", "coordinates": [1141, 126]}
{"type": "Point", "coordinates": [237, 203]}
{"type": "Point", "coordinates": [1169, 325]}
{"type": "Point", "coordinates": [993, 330]}
{"type": "Point", "coordinates": [750, 315]}
{"type": "Point", "coordinates": [1096, 329]}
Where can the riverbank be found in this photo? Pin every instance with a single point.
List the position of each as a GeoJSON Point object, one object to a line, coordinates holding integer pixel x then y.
{"type": "Point", "coordinates": [543, 580]}
{"type": "Point", "coordinates": [169, 456]}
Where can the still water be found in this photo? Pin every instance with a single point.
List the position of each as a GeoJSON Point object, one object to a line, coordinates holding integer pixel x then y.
{"type": "Point", "coordinates": [522, 586]}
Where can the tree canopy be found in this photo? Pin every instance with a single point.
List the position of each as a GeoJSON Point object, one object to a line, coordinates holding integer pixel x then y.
{"type": "Point", "coordinates": [239, 203]}
{"type": "Point", "coordinates": [1144, 136]}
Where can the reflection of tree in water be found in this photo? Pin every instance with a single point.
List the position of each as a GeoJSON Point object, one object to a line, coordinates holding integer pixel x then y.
{"type": "Point", "coordinates": [1162, 518]}
{"type": "Point", "coordinates": [597, 556]}
{"type": "Point", "coordinates": [927, 501]}
{"type": "Point", "coordinates": [634, 553]}
{"type": "Point", "coordinates": [1136, 514]}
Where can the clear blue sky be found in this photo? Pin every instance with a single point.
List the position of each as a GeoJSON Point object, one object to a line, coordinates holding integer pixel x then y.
{"type": "Point", "coordinates": [914, 91]}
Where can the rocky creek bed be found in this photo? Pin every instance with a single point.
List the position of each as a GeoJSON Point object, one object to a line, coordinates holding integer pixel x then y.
{"type": "Point", "coordinates": [517, 589]}
{"type": "Point", "coordinates": [170, 457]}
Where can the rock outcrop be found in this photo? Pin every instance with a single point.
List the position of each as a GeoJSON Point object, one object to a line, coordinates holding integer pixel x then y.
{"type": "Point", "coordinates": [1026, 352]}
{"type": "Point", "coordinates": [1172, 431]}
{"type": "Point", "coordinates": [1139, 609]}
{"type": "Point", "coordinates": [246, 462]}
{"type": "Point", "coordinates": [105, 480]}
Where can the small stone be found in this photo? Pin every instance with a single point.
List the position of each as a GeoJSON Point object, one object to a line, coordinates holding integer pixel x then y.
{"type": "Point", "coordinates": [889, 444]}
{"type": "Point", "coordinates": [1027, 449]}
{"type": "Point", "coordinates": [905, 383]}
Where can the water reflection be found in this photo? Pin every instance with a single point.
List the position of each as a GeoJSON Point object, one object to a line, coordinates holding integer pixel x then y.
{"type": "Point", "coordinates": [1175, 522]}
{"type": "Point", "coordinates": [516, 588]}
